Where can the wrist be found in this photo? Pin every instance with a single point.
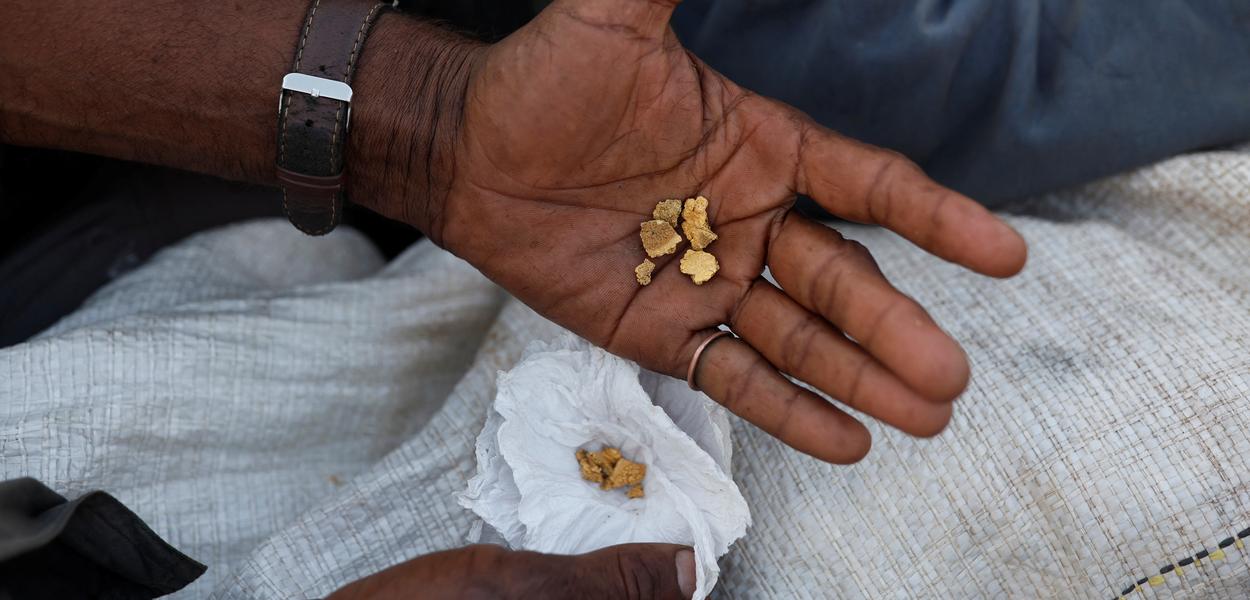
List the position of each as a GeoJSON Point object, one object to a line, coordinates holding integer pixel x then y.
{"type": "Point", "coordinates": [411, 86]}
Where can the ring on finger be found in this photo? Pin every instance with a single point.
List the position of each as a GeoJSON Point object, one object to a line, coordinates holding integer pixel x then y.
{"type": "Point", "coordinates": [694, 360]}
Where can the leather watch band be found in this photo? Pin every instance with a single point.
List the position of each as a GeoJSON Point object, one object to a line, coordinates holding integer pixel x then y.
{"type": "Point", "coordinates": [314, 111]}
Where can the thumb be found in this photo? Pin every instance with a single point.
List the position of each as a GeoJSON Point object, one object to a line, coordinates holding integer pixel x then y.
{"type": "Point", "coordinates": [639, 18]}
{"type": "Point", "coordinates": [636, 572]}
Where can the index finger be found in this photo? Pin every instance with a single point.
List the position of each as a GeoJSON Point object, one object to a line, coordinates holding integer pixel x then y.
{"type": "Point", "coordinates": [861, 182]}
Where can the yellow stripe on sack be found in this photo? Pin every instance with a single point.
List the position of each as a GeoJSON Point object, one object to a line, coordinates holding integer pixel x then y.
{"type": "Point", "coordinates": [1180, 570]}
{"type": "Point", "coordinates": [1218, 554]}
{"type": "Point", "coordinates": [1155, 580]}
{"type": "Point", "coordinates": [1239, 544]}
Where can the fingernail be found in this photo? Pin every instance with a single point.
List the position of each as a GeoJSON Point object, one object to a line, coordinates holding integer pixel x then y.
{"type": "Point", "coordinates": [685, 572]}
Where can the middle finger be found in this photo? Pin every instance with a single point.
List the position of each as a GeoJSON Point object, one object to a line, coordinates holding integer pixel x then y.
{"type": "Point", "coordinates": [805, 346]}
{"type": "Point", "coordinates": [838, 278]}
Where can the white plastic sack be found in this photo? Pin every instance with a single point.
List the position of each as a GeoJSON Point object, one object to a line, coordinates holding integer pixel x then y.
{"type": "Point", "coordinates": [567, 395]}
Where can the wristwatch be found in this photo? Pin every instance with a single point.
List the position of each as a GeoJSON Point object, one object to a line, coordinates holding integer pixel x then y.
{"type": "Point", "coordinates": [315, 111]}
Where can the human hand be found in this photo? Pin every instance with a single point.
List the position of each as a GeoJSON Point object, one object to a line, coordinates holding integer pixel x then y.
{"type": "Point", "coordinates": [577, 124]}
{"type": "Point", "coordinates": [485, 572]}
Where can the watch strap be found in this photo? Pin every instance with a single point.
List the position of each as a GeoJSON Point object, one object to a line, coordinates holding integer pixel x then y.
{"type": "Point", "coordinates": [314, 111]}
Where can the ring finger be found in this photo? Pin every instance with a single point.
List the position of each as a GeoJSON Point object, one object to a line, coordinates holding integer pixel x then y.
{"type": "Point", "coordinates": [735, 375]}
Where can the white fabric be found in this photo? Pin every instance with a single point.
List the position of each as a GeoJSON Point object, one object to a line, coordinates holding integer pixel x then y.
{"type": "Point", "coordinates": [565, 395]}
{"type": "Point", "coordinates": [297, 415]}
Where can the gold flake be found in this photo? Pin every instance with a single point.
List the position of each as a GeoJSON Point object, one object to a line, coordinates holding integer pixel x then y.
{"type": "Point", "coordinates": [667, 210]}
{"type": "Point", "coordinates": [659, 238]}
{"type": "Point", "coordinates": [643, 271]}
{"type": "Point", "coordinates": [699, 265]}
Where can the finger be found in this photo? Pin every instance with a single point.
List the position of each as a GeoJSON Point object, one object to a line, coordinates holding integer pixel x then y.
{"type": "Point", "coordinates": [635, 571]}
{"type": "Point", "coordinates": [632, 571]}
{"type": "Point", "coordinates": [627, 571]}
{"type": "Point", "coordinates": [641, 18]}
{"type": "Point", "coordinates": [479, 571]}
{"type": "Point", "coordinates": [864, 183]}
{"type": "Point", "coordinates": [735, 375]}
{"type": "Point", "coordinates": [805, 346]}
{"type": "Point", "coordinates": [837, 278]}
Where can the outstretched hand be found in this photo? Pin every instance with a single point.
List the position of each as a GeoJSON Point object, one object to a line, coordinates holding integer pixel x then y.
{"type": "Point", "coordinates": [577, 124]}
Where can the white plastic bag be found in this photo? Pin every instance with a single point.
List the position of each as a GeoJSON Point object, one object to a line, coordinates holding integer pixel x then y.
{"type": "Point", "coordinates": [567, 395]}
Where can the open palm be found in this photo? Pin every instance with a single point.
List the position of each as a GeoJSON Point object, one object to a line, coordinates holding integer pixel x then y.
{"type": "Point", "coordinates": [576, 125]}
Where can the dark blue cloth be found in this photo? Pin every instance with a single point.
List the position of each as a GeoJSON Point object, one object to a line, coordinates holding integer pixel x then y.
{"type": "Point", "coordinates": [996, 98]}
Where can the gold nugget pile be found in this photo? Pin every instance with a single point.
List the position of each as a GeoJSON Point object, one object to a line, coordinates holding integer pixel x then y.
{"type": "Point", "coordinates": [611, 470]}
{"type": "Point", "coordinates": [660, 237]}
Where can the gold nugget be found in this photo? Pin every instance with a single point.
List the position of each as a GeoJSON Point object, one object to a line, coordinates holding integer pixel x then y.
{"type": "Point", "coordinates": [611, 471]}
{"type": "Point", "coordinates": [667, 210]}
{"type": "Point", "coordinates": [695, 211]}
{"type": "Point", "coordinates": [699, 235]}
{"type": "Point", "coordinates": [699, 265]}
{"type": "Point", "coordinates": [694, 223]}
{"type": "Point", "coordinates": [590, 471]}
{"type": "Point", "coordinates": [659, 238]}
{"type": "Point", "coordinates": [626, 473]}
{"type": "Point", "coordinates": [606, 459]}
{"type": "Point", "coordinates": [643, 272]}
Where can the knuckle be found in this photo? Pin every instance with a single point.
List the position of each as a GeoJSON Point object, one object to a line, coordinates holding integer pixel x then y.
{"type": "Point", "coordinates": [639, 578]}
{"type": "Point", "coordinates": [740, 390]}
{"type": "Point", "coordinates": [784, 421]}
{"type": "Point", "coordinates": [744, 300]}
{"type": "Point", "coordinates": [881, 199]}
{"type": "Point", "coordinates": [854, 388]}
{"type": "Point", "coordinates": [796, 343]}
{"type": "Point", "coordinates": [829, 296]}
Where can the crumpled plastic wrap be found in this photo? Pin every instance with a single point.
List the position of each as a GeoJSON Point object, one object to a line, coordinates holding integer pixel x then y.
{"type": "Point", "coordinates": [568, 394]}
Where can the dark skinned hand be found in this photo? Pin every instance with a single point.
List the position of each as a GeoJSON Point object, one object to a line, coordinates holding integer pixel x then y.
{"type": "Point", "coordinates": [483, 572]}
{"type": "Point", "coordinates": [577, 124]}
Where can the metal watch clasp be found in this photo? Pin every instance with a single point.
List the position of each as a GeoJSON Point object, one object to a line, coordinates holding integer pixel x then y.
{"type": "Point", "coordinates": [317, 87]}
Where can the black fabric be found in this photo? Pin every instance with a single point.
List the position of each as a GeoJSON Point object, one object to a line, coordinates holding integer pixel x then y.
{"type": "Point", "coordinates": [74, 239]}
{"type": "Point", "coordinates": [91, 547]}
{"type": "Point", "coordinates": [489, 20]}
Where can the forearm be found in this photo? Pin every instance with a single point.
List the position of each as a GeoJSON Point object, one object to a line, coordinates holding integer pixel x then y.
{"type": "Point", "coordinates": [194, 85]}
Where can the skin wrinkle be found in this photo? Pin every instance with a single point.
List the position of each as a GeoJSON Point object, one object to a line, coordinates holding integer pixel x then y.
{"type": "Point", "coordinates": [853, 398]}
{"type": "Point", "coordinates": [875, 328]}
{"type": "Point", "coordinates": [797, 342]}
{"type": "Point", "coordinates": [826, 302]}
{"type": "Point", "coordinates": [734, 151]}
{"type": "Point", "coordinates": [627, 108]}
{"type": "Point", "coordinates": [416, 152]}
{"type": "Point", "coordinates": [799, 183]}
{"type": "Point", "coordinates": [637, 579]}
{"type": "Point", "coordinates": [535, 186]}
{"type": "Point", "coordinates": [930, 237]}
{"type": "Point", "coordinates": [628, 32]}
{"type": "Point", "coordinates": [785, 421]}
{"type": "Point", "coordinates": [642, 215]}
{"type": "Point", "coordinates": [735, 316]}
{"type": "Point", "coordinates": [774, 229]}
{"type": "Point", "coordinates": [742, 382]}
{"type": "Point", "coordinates": [880, 212]}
